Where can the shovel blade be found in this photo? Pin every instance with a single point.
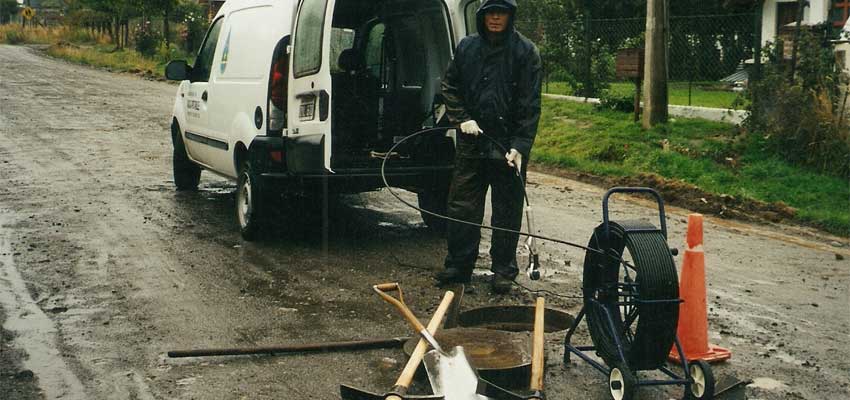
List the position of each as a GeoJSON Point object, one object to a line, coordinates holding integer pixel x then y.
{"type": "Point", "coordinates": [451, 375]}
{"type": "Point", "coordinates": [352, 393]}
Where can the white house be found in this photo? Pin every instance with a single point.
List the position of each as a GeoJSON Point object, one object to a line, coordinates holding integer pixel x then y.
{"type": "Point", "coordinates": [778, 13]}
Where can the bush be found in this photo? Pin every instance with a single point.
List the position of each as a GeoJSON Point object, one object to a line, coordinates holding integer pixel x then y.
{"type": "Point", "coordinates": [602, 71]}
{"type": "Point", "coordinates": [195, 25]}
{"type": "Point", "coordinates": [12, 36]}
{"type": "Point", "coordinates": [147, 39]}
{"type": "Point", "coordinates": [617, 102]}
{"type": "Point", "coordinates": [800, 118]}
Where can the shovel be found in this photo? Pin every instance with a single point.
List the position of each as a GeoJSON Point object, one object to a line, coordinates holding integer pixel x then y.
{"type": "Point", "coordinates": [449, 372]}
{"type": "Point", "coordinates": [537, 357]}
{"type": "Point", "coordinates": [399, 391]}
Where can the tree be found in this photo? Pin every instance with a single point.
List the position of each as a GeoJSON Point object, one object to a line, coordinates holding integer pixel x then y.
{"type": "Point", "coordinates": [120, 12]}
{"type": "Point", "coordinates": [163, 8]}
{"type": "Point", "coordinates": [8, 8]}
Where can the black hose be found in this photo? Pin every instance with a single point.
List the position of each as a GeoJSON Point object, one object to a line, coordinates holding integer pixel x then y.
{"type": "Point", "coordinates": [445, 217]}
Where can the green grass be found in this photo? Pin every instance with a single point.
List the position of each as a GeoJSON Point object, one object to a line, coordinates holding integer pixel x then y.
{"type": "Point", "coordinates": [712, 155]}
{"type": "Point", "coordinates": [84, 47]}
{"type": "Point", "coordinates": [703, 94]}
{"type": "Point", "coordinates": [106, 57]}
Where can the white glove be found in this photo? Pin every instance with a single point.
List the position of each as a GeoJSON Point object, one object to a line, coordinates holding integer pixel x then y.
{"type": "Point", "coordinates": [471, 128]}
{"type": "Point", "coordinates": [514, 158]}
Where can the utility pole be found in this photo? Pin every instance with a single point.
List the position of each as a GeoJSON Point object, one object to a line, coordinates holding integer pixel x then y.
{"type": "Point", "coordinates": [588, 53]}
{"type": "Point", "coordinates": [757, 41]}
{"type": "Point", "coordinates": [655, 67]}
{"type": "Point", "coordinates": [801, 7]}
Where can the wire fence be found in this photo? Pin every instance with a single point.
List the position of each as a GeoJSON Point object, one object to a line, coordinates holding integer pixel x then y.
{"type": "Point", "coordinates": [580, 54]}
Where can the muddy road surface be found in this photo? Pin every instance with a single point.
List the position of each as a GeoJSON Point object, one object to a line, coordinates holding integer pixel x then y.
{"type": "Point", "coordinates": [104, 267]}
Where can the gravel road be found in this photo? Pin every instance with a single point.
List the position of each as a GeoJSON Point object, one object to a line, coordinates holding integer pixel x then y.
{"type": "Point", "coordinates": [104, 268]}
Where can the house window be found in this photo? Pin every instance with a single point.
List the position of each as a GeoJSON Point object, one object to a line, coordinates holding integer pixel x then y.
{"type": "Point", "coordinates": [840, 12]}
{"type": "Point", "coordinates": [786, 13]}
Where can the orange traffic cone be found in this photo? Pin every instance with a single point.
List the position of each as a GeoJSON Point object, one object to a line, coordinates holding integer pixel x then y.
{"type": "Point", "coordinates": [693, 318]}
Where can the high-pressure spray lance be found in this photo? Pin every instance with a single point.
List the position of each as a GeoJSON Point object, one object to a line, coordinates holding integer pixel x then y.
{"type": "Point", "coordinates": [533, 270]}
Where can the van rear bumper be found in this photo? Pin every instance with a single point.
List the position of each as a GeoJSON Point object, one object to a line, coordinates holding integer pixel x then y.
{"type": "Point", "coordinates": [358, 180]}
{"type": "Point", "coordinates": [348, 173]}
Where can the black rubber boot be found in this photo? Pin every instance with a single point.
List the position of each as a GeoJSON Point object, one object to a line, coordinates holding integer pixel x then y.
{"type": "Point", "coordinates": [501, 284]}
{"type": "Point", "coordinates": [451, 276]}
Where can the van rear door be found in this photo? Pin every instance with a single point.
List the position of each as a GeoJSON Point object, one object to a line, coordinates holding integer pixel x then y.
{"type": "Point", "coordinates": [462, 14]}
{"type": "Point", "coordinates": [309, 147]}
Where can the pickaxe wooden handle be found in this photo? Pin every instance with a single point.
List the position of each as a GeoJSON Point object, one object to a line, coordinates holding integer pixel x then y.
{"type": "Point", "coordinates": [406, 377]}
{"type": "Point", "coordinates": [537, 363]}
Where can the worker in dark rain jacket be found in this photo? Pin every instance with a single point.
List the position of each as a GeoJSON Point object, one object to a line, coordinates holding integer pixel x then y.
{"type": "Point", "coordinates": [492, 86]}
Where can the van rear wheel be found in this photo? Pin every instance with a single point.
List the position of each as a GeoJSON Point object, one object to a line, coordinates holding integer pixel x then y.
{"type": "Point", "coordinates": [250, 203]}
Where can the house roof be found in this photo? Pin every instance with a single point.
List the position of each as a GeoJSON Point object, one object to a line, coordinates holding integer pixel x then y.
{"type": "Point", "coordinates": [41, 4]}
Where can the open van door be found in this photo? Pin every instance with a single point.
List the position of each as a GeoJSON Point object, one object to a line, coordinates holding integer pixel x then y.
{"type": "Point", "coordinates": [309, 147]}
{"type": "Point", "coordinates": [462, 13]}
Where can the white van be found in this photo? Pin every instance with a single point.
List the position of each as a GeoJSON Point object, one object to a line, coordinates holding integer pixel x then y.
{"type": "Point", "coordinates": [289, 95]}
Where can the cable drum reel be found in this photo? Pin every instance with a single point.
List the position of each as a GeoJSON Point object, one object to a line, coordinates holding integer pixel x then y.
{"type": "Point", "coordinates": [631, 302]}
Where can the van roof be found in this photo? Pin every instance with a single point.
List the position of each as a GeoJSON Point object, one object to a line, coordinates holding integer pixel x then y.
{"type": "Point", "coordinates": [231, 5]}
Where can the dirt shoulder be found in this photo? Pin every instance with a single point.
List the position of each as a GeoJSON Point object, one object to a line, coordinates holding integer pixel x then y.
{"type": "Point", "coordinates": [685, 195]}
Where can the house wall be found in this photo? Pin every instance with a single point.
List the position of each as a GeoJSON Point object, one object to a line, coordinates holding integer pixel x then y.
{"type": "Point", "coordinates": [817, 12]}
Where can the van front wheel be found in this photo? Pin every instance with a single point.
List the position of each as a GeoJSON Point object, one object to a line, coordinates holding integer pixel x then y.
{"type": "Point", "coordinates": [187, 174]}
{"type": "Point", "coordinates": [250, 203]}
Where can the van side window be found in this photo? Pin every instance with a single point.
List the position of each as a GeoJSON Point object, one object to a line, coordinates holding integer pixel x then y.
{"type": "Point", "coordinates": [307, 59]}
{"type": "Point", "coordinates": [203, 63]}
{"type": "Point", "coordinates": [374, 46]}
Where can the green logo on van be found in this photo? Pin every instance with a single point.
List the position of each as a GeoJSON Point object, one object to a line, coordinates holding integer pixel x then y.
{"type": "Point", "coordinates": [225, 53]}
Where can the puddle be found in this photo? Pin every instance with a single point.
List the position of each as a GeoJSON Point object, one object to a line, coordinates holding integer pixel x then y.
{"type": "Point", "coordinates": [785, 357]}
{"type": "Point", "coordinates": [35, 332]}
{"type": "Point", "coordinates": [768, 384]}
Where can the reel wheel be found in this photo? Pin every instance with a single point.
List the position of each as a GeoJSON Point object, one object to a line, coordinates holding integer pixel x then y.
{"type": "Point", "coordinates": [622, 383]}
{"type": "Point", "coordinates": [702, 386]}
{"type": "Point", "coordinates": [633, 306]}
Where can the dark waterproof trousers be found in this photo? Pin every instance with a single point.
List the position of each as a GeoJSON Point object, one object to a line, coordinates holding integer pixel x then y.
{"type": "Point", "coordinates": [467, 195]}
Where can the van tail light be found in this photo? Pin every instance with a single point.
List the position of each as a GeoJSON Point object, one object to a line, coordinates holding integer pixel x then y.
{"type": "Point", "coordinates": [279, 75]}
{"type": "Point", "coordinates": [276, 156]}
{"type": "Point", "coordinates": [278, 89]}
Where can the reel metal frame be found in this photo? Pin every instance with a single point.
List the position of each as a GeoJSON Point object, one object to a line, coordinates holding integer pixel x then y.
{"type": "Point", "coordinates": [631, 309]}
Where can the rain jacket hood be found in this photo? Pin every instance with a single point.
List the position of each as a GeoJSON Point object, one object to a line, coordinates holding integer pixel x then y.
{"type": "Point", "coordinates": [497, 84]}
{"type": "Point", "coordinates": [479, 15]}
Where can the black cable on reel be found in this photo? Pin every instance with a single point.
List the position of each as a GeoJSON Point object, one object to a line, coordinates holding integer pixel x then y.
{"type": "Point", "coordinates": [636, 307]}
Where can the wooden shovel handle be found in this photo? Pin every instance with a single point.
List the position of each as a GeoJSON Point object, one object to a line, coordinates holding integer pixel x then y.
{"type": "Point", "coordinates": [537, 356]}
{"type": "Point", "coordinates": [412, 365]}
{"type": "Point", "coordinates": [382, 290]}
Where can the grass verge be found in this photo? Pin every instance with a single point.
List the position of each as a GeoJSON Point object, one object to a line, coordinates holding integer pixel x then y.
{"type": "Point", "coordinates": [121, 60]}
{"type": "Point", "coordinates": [703, 94]}
{"type": "Point", "coordinates": [693, 161]}
{"type": "Point", "coordinates": [90, 48]}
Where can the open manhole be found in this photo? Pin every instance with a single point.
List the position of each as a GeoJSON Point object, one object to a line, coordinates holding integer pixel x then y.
{"type": "Point", "coordinates": [513, 319]}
